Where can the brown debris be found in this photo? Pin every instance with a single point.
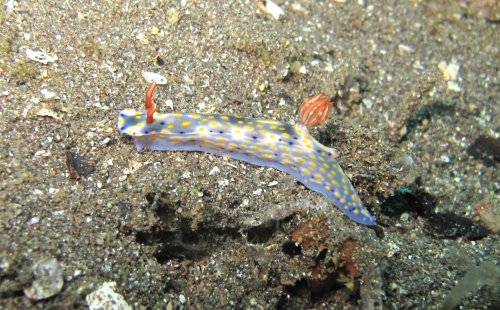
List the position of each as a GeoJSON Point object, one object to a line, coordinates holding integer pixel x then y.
{"type": "Point", "coordinates": [326, 276]}
{"type": "Point", "coordinates": [488, 215]}
{"type": "Point", "coordinates": [310, 233]}
{"type": "Point", "coordinates": [321, 280]}
{"type": "Point", "coordinates": [346, 251]}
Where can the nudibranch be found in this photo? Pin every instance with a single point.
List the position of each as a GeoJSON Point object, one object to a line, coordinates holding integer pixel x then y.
{"type": "Point", "coordinates": [263, 142]}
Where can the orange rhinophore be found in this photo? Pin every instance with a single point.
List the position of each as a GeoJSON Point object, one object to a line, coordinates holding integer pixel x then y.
{"type": "Point", "coordinates": [314, 111]}
{"type": "Point", "coordinates": [149, 115]}
{"type": "Point", "coordinates": [149, 103]}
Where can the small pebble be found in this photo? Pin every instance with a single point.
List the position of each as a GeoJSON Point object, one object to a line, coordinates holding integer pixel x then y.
{"type": "Point", "coordinates": [182, 299]}
{"type": "Point", "coordinates": [404, 217]}
{"type": "Point", "coordinates": [445, 159]}
{"type": "Point", "coordinates": [48, 279]}
{"type": "Point", "coordinates": [257, 191]}
{"type": "Point", "coordinates": [454, 86]}
{"type": "Point", "coordinates": [449, 70]}
{"type": "Point", "coordinates": [47, 94]}
{"type": "Point", "coordinates": [223, 182]}
{"type": "Point", "coordinates": [368, 103]}
{"type": "Point", "coordinates": [105, 141]}
{"type": "Point", "coordinates": [272, 183]}
{"type": "Point", "coordinates": [403, 48]}
{"type": "Point", "coordinates": [154, 30]}
{"type": "Point", "coordinates": [214, 170]}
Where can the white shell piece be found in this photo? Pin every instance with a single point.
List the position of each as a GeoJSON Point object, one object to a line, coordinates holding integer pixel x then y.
{"type": "Point", "coordinates": [169, 103]}
{"type": "Point", "coordinates": [40, 56]}
{"type": "Point", "coordinates": [151, 77]}
{"type": "Point", "coordinates": [48, 113]}
{"type": "Point", "coordinates": [106, 298]}
{"type": "Point", "coordinates": [47, 94]}
{"type": "Point", "coordinates": [449, 70]}
{"type": "Point", "coordinates": [274, 10]}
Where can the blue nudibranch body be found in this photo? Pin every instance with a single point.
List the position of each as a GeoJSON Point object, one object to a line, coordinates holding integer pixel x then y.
{"type": "Point", "coordinates": [289, 148]}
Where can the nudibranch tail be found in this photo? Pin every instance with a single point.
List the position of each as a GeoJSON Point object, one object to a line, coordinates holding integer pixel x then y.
{"type": "Point", "coordinates": [289, 148]}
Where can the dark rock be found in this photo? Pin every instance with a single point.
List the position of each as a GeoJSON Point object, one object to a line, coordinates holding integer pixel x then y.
{"type": "Point", "coordinates": [485, 148]}
{"type": "Point", "coordinates": [78, 166]}
{"type": "Point", "coordinates": [450, 226]}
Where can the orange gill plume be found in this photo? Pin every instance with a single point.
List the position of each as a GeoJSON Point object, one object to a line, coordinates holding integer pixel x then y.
{"type": "Point", "coordinates": [314, 111]}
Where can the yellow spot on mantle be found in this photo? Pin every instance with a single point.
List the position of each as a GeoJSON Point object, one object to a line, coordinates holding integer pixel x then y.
{"type": "Point", "coordinates": [299, 159]}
